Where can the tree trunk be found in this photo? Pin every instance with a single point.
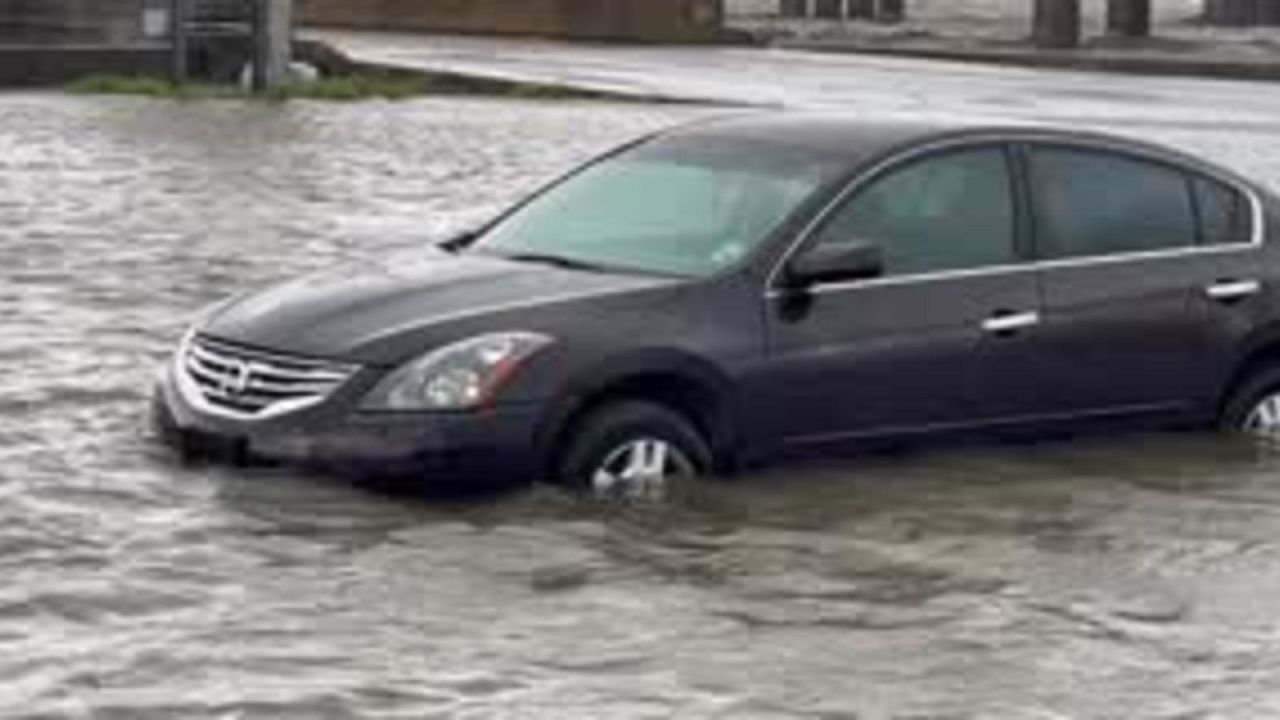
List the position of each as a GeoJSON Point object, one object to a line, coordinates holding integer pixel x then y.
{"type": "Point", "coordinates": [1057, 24]}
{"type": "Point", "coordinates": [1129, 18]}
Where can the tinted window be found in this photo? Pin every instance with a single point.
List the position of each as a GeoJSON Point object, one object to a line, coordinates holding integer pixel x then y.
{"type": "Point", "coordinates": [945, 212]}
{"type": "Point", "coordinates": [1093, 203]}
{"type": "Point", "coordinates": [1224, 214]}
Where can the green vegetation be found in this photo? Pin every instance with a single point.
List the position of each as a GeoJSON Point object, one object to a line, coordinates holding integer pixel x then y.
{"type": "Point", "coordinates": [146, 87]}
{"type": "Point", "coordinates": [366, 85]}
{"type": "Point", "coordinates": [347, 88]}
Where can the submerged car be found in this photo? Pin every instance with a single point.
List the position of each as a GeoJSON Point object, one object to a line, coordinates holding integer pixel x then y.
{"type": "Point", "coordinates": [734, 290]}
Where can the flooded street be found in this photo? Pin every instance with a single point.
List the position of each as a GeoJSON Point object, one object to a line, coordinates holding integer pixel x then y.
{"type": "Point", "coordinates": [1133, 578]}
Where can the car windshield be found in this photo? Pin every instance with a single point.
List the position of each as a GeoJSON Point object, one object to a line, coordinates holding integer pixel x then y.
{"type": "Point", "coordinates": [671, 209]}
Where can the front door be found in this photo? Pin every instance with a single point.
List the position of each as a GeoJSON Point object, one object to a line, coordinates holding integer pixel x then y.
{"type": "Point", "coordinates": [942, 339]}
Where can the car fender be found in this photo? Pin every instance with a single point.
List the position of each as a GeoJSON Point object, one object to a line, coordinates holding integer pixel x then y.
{"type": "Point", "coordinates": [598, 380]}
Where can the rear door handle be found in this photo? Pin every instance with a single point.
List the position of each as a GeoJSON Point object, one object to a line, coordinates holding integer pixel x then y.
{"type": "Point", "coordinates": [1228, 290]}
{"type": "Point", "coordinates": [1006, 323]}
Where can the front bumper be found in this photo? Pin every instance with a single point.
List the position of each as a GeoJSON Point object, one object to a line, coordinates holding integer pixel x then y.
{"type": "Point", "coordinates": [490, 447]}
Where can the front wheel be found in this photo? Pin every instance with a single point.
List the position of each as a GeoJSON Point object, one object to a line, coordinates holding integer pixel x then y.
{"type": "Point", "coordinates": [1254, 408]}
{"type": "Point", "coordinates": [633, 450]}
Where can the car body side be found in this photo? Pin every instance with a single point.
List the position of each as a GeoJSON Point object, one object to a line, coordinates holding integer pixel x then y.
{"type": "Point", "coordinates": [708, 347]}
{"type": "Point", "coordinates": [729, 363]}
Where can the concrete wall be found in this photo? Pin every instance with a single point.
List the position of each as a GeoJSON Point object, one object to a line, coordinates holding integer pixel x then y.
{"type": "Point", "coordinates": [644, 20]}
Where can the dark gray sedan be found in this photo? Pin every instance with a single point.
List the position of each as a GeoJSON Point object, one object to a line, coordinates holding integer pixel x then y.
{"type": "Point", "coordinates": [737, 290]}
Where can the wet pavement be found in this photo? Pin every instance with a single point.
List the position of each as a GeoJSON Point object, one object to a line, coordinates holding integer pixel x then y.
{"type": "Point", "coordinates": [1131, 578]}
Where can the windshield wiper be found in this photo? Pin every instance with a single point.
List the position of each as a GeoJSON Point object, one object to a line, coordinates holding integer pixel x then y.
{"type": "Point", "coordinates": [558, 261]}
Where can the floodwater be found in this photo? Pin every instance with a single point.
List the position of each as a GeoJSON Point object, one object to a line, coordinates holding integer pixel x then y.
{"type": "Point", "coordinates": [1130, 578]}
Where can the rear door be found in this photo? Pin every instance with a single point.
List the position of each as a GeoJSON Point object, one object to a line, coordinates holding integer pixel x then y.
{"type": "Point", "coordinates": [1126, 283]}
{"type": "Point", "coordinates": [1240, 299]}
{"type": "Point", "coordinates": [942, 339]}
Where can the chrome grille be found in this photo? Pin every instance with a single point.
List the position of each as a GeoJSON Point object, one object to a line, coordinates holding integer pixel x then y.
{"type": "Point", "coordinates": [252, 384]}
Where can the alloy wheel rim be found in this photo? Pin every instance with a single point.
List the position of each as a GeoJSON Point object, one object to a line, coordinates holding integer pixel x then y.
{"type": "Point", "coordinates": [641, 468]}
{"type": "Point", "coordinates": [1264, 419]}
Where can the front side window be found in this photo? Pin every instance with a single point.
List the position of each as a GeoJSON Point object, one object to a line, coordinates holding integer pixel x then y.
{"type": "Point", "coordinates": [1225, 214]}
{"type": "Point", "coordinates": [1091, 203]}
{"type": "Point", "coordinates": [949, 211]}
{"type": "Point", "coordinates": [669, 208]}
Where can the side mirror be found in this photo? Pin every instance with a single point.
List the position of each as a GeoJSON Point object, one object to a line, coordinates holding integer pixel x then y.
{"type": "Point", "coordinates": [831, 263]}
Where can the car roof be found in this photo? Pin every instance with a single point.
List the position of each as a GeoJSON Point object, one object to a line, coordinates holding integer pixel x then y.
{"type": "Point", "coordinates": [826, 133]}
{"type": "Point", "coordinates": [854, 139]}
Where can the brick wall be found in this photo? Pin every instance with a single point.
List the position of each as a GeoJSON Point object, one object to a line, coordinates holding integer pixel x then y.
{"type": "Point", "coordinates": [644, 20]}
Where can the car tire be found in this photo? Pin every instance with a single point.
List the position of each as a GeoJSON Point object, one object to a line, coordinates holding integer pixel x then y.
{"type": "Point", "coordinates": [633, 450]}
{"type": "Point", "coordinates": [1253, 408]}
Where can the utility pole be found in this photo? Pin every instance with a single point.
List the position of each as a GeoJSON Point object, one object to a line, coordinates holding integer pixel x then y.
{"type": "Point", "coordinates": [273, 44]}
{"type": "Point", "coordinates": [1057, 24]}
{"type": "Point", "coordinates": [179, 37]}
{"type": "Point", "coordinates": [1129, 18]}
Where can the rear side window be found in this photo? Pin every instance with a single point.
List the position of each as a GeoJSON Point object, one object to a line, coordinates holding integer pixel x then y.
{"type": "Point", "coordinates": [1225, 213]}
{"type": "Point", "coordinates": [1092, 203]}
{"type": "Point", "coordinates": [948, 211]}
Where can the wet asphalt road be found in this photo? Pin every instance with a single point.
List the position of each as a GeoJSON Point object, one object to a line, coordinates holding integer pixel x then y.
{"type": "Point", "coordinates": [1131, 578]}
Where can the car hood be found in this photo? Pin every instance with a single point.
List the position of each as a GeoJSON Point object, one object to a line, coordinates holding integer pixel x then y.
{"type": "Point", "coordinates": [357, 313]}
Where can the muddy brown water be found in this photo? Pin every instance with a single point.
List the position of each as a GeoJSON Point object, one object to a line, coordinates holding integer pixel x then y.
{"type": "Point", "coordinates": [1135, 577]}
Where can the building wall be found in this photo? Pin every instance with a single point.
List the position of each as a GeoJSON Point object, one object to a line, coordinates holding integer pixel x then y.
{"type": "Point", "coordinates": [71, 21]}
{"type": "Point", "coordinates": [647, 20]}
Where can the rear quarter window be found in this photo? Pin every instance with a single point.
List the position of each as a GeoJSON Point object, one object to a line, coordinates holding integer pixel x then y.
{"type": "Point", "coordinates": [1226, 215]}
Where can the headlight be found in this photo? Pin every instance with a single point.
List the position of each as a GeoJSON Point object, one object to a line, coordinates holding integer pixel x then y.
{"type": "Point", "coordinates": [460, 376]}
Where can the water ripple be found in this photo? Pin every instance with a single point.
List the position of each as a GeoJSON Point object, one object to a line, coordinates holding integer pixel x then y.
{"type": "Point", "coordinates": [1130, 579]}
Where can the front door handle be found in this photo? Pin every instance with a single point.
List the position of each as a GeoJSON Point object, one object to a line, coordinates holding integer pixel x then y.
{"type": "Point", "coordinates": [1008, 323]}
{"type": "Point", "coordinates": [1229, 290]}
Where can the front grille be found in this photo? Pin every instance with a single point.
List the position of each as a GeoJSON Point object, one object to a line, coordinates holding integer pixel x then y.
{"type": "Point", "coordinates": [252, 384]}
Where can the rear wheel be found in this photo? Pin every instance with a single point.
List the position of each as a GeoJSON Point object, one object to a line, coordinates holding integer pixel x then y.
{"type": "Point", "coordinates": [633, 450]}
{"type": "Point", "coordinates": [1254, 407]}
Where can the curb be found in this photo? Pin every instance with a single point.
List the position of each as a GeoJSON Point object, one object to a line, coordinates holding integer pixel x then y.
{"type": "Point", "coordinates": [334, 60]}
{"type": "Point", "coordinates": [1099, 60]}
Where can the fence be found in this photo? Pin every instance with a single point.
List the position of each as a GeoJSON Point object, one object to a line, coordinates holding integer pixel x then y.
{"type": "Point", "coordinates": [827, 9]}
{"type": "Point", "coordinates": [995, 11]}
{"type": "Point", "coordinates": [979, 19]}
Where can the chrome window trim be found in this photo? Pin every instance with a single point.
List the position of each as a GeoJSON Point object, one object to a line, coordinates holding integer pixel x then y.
{"type": "Point", "coordinates": [774, 290]}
